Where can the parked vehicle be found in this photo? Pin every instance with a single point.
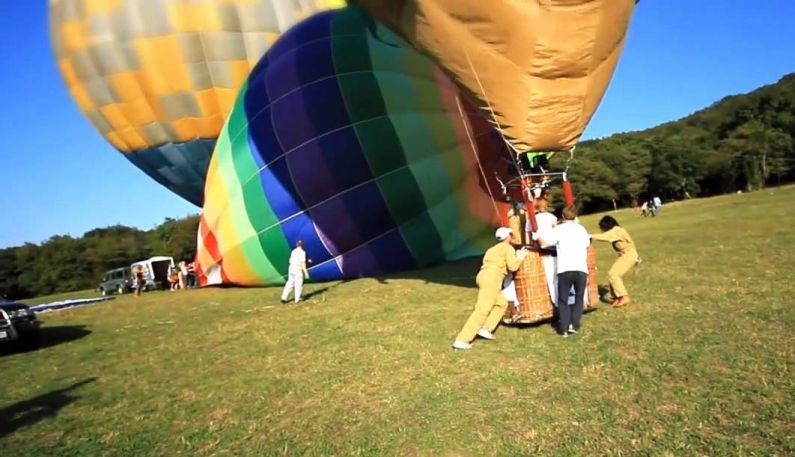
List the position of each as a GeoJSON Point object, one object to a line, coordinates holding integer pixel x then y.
{"type": "Point", "coordinates": [118, 280]}
{"type": "Point", "coordinates": [155, 271]}
{"type": "Point", "coordinates": [18, 324]}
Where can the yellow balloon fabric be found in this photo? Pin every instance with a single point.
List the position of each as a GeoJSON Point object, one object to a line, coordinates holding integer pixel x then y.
{"type": "Point", "coordinates": [154, 72]}
{"type": "Point", "coordinates": [539, 68]}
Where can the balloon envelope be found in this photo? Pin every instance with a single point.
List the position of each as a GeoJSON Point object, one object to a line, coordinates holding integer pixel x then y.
{"type": "Point", "coordinates": [348, 139]}
{"type": "Point", "coordinates": [158, 77]}
{"type": "Point", "coordinates": [538, 68]}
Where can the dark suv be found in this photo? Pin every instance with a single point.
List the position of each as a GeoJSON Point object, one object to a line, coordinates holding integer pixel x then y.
{"type": "Point", "coordinates": [18, 323]}
{"type": "Point", "coordinates": [118, 280]}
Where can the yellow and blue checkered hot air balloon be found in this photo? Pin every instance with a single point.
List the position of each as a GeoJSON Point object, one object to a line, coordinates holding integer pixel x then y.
{"type": "Point", "coordinates": [158, 77]}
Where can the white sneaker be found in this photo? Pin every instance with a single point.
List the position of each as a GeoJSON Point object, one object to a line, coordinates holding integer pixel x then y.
{"type": "Point", "coordinates": [571, 329]}
{"type": "Point", "coordinates": [461, 345]}
{"type": "Point", "coordinates": [483, 333]}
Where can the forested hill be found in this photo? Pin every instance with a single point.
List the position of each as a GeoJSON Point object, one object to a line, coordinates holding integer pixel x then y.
{"type": "Point", "coordinates": [742, 142]}
{"type": "Point", "coordinates": [65, 263]}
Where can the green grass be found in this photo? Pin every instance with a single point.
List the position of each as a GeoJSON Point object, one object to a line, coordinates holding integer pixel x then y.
{"type": "Point", "coordinates": [700, 363]}
{"type": "Point", "coordinates": [88, 293]}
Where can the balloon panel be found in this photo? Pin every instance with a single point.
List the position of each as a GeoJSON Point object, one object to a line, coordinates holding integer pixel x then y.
{"type": "Point", "coordinates": [348, 139]}
{"type": "Point", "coordinates": [149, 73]}
{"type": "Point", "coordinates": [538, 69]}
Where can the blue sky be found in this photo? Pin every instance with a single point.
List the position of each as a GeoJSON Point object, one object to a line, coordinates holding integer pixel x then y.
{"type": "Point", "coordinates": [60, 176]}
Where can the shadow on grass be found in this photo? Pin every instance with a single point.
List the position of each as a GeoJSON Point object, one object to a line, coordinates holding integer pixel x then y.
{"type": "Point", "coordinates": [29, 412]}
{"type": "Point", "coordinates": [48, 337]}
{"type": "Point", "coordinates": [605, 296]}
{"type": "Point", "coordinates": [324, 289]}
{"type": "Point", "coordinates": [457, 273]}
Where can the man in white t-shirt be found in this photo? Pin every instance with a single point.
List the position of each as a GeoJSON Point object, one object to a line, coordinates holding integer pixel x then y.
{"type": "Point", "coordinates": [296, 272]}
{"type": "Point", "coordinates": [572, 241]}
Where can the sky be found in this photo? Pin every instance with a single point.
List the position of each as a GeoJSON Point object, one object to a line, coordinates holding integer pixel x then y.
{"type": "Point", "coordinates": [60, 177]}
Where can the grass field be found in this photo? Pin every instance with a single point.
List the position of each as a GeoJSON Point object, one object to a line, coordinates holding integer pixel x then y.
{"type": "Point", "coordinates": [700, 364]}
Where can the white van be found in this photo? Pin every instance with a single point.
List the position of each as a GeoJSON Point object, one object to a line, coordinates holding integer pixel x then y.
{"type": "Point", "coordinates": [155, 271]}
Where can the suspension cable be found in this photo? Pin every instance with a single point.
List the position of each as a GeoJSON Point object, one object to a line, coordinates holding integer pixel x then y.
{"type": "Point", "coordinates": [465, 121]}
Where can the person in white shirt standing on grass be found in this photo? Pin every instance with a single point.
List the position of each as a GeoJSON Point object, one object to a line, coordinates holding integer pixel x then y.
{"type": "Point", "coordinates": [572, 241]}
{"type": "Point", "coordinates": [296, 272]}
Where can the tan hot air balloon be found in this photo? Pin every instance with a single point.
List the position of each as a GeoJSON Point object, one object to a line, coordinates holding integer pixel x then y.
{"type": "Point", "coordinates": [538, 68]}
{"type": "Point", "coordinates": [158, 77]}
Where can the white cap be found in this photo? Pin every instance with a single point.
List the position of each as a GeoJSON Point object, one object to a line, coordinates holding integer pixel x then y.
{"type": "Point", "coordinates": [502, 233]}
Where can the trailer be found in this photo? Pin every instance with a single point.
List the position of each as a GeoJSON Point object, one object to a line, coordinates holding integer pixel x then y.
{"type": "Point", "coordinates": [155, 271]}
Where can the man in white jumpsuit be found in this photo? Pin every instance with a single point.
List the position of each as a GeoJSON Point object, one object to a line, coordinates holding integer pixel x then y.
{"type": "Point", "coordinates": [296, 272]}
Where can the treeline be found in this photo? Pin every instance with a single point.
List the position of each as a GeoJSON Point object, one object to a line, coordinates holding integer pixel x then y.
{"type": "Point", "coordinates": [64, 263]}
{"type": "Point", "coordinates": [742, 142]}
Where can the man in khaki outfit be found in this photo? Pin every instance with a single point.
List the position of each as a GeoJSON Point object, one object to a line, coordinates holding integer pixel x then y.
{"type": "Point", "coordinates": [490, 307]}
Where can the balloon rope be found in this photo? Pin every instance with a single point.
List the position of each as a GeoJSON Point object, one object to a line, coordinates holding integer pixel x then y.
{"type": "Point", "coordinates": [527, 194]}
{"type": "Point", "coordinates": [465, 121]}
{"type": "Point", "coordinates": [494, 115]}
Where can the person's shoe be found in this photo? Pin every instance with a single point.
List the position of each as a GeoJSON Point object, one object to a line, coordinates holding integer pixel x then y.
{"type": "Point", "coordinates": [483, 333]}
{"type": "Point", "coordinates": [283, 301]}
{"type": "Point", "coordinates": [564, 334]}
{"type": "Point", "coordinates": [572, 330]}
{"type": "Point", "coordinates": [461, 345]}
{"type": "Point", "coordinates": [621, 302]}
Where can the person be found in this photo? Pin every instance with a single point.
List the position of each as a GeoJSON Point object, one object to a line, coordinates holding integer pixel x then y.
{"type": "Point", "coordinates": [140, 282]}
{"type": "Point", "coordinates": [657, 204]}
{"type": "Point", "coordinates": [546, 221]}
{"type": "Point", "coordinates": [627, 257]}
{"type": "Point", "coordinates": [296, 272]}
{"type": "Point", "coordinates": [191, 275]}
{"type": "Point", "coordinates": [183, 274]}
{"type": "Point", "coordinates": [644, 209]}
{"type": "Point", "coordinates": [173, 278]}
{"type": "Point", "coordinates": [491, 305]}
{"type": "Point", "coordinates": [571, 241]}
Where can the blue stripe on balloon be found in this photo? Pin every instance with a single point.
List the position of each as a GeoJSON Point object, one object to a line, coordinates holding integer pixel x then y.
{"type": "Point", "coordinates": [328, 166]}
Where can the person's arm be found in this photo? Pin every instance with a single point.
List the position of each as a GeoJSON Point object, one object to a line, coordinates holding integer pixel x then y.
{"type": "Point", "coordinates": [546, 238]}
{"type": "Point", "coordinates": [609, 236]}
{"type": "Point", "coordinates": [513, 259]}
{"type": "Point", "coordinates": [303, 267]}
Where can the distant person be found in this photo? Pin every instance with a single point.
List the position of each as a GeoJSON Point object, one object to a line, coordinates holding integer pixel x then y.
{"type": "Point", "coordinates": [491, 305]}
{"type": "Point", "coordinates": [139, 280]}
{"type": "Point", "coordinates": [644, 209]}
{"type": "Point", "coordinates": [173, 278]}
{"type": "Point", "coordinates": [296, 273]}
{"type": "Point", "coordinates": [657, 204]}
{"type": "Point", "coordinates": [192, 275]}
{"type": "Point", "coordinates": [183, 275]}
{"type": "Point", "coordinates": [627, 257]}
{"type": "Point", "coordinates": [571, 241]}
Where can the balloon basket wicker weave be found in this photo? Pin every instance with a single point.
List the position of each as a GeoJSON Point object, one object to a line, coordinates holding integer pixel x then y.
{"type": "Point", "coordinates": [531, 290]}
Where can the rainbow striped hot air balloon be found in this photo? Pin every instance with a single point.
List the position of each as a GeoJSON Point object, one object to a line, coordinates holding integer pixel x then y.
{"type": "Point", "coordinates": [158, 77]}
{"type": "Point", "coordinates": [348, 139]}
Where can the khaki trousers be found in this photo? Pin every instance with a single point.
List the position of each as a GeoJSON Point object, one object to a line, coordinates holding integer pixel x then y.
{"type": "Point", "coordinates": [489, 308]}
{"type": "Point", "coordinates": [615, 275]}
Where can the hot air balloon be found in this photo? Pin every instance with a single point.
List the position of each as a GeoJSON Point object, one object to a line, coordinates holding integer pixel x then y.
{"type": "Point", "coordinates": [537, 68]}
{"type": "Point", "coordinates": [348, 139]}
{"type": "Point", "coordinates": [158, 77]}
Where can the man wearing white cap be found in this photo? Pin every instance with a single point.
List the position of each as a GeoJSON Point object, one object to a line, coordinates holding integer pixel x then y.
{"type": "Point", "coordinates": [490, 307]}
